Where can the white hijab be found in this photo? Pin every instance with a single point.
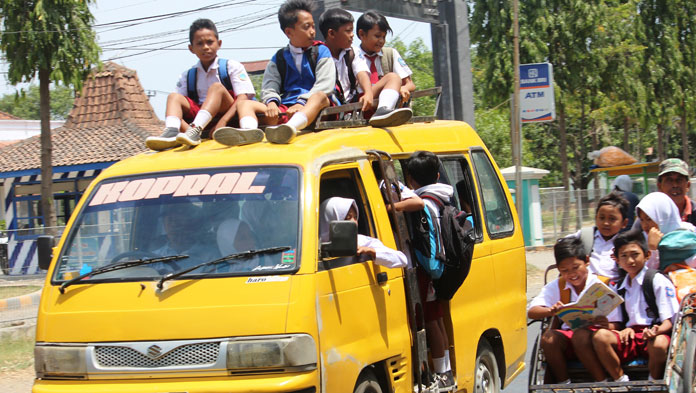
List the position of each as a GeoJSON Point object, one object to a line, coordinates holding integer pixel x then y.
{"type": "Point", "coordinates": [333, 209]}
{"type": "Point", "coordinates": [661, 209]}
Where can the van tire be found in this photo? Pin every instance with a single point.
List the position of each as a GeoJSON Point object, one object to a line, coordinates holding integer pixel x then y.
{"type": "Point", "coordinates": [367, 383]}
{"type": "Point", "coordinates": [486, 370]}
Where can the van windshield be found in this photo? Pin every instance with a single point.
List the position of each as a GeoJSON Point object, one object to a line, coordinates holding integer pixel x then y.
{"type": "Point", "coordinates": [202, 215]}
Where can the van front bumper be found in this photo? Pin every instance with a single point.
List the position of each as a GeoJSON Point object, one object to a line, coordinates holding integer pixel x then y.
{"type": "Point", "coordinates": [306, 382]}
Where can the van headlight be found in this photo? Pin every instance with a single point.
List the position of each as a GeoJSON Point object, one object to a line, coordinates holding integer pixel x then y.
{"type": "Point", "coordinates": [55, 361]}
{"type": "Point", "coordinates": [295, 351]}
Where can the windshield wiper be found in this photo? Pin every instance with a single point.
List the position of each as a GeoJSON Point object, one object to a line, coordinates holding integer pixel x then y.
{"type": "Point", "coordinates": [119, 266]}
{"type": "Point", "coordinates": [241, 255]}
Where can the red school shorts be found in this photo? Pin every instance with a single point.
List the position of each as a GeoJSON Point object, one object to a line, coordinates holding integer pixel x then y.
{"type": "Point", "coordinates": [636, 348]}
{"type": "Point", "coordinates": [569, 352]}
{"type": "Point", "coordinates": [432, 310]}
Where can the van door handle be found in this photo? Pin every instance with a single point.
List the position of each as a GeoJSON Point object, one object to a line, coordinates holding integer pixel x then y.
{"type": "Point", "coordinates": [382, 277]}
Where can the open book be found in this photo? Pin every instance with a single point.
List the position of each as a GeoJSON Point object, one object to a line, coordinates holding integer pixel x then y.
{"type": "Point", "coordinates": [598, 301]}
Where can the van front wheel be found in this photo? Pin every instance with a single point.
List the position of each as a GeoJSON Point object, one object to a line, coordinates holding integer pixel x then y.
{"type": "Point", "coordinates": [486, 371]}
{"type": "Point", "coordinates": [367, 383]}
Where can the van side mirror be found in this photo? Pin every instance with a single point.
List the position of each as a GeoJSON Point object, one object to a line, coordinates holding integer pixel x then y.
{"type": "Point", "coordinates": [44, 245]}
{"type": "Point", "coordinates": [343, 240]}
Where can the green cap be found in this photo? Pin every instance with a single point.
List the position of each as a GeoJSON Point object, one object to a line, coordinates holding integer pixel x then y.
{"type": "Point", "coordinates": [674, 165]}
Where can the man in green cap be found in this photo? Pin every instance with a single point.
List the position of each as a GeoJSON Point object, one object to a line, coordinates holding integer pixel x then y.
{"type": "Point", "coordinates": [673, 180]}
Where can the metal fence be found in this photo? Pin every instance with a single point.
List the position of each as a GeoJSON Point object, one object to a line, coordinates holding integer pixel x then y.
{"type": "Point", "coordinates": [565, 212]}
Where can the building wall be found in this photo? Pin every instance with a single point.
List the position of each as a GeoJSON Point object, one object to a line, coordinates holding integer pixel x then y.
{"type": "Point", "coordinates": [21, 245]}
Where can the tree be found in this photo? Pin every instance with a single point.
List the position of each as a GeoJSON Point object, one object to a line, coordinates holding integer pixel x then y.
{"type": "Point", "coordinates": [420, 60]}
{"type": "Point", "coordinates": [54, 39]}
{"type": "Point", "coordinates": [25, 104]}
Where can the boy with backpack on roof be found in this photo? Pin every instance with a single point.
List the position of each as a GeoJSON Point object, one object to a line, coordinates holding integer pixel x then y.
{"type": "Point", "coordinates": [562, 344]}
{"type": "Point", "coordinates": [649, 305]}
{"type": "Point", "coordinates": [389, 74]}
{"type": "Point", "coordinates": [296, 85]}
{"type": "Point", "coordinates": [353, 82]}
{"type": "Point", "coordinates": [214, 86]}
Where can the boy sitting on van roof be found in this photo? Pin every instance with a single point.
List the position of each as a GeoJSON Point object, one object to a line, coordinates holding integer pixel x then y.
{"type": "Point", "coordinates": [389, 74]}
{"type": "Point", "coordinates": [336, 25]}
{"type": "Point", "coordinates": [297, 83]}
{"type": "Point", "coordinates": [213, 91]}
{"type": "Point", "coordinates": [559, 345]}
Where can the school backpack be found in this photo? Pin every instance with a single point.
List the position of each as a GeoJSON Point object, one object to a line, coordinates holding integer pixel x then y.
{"type": "Point", "coordinates": [587, 239]}
{"type": "Point", "coordinates": [425, 241]}
{"type": "Point", "coordinates": [457, 234]}
{"type": "Point", "coordinates": [387, 60]}
{"type": "Point", "coordinates": [648, 294]}
{"type": "Point", "coordinates": [192, 92]}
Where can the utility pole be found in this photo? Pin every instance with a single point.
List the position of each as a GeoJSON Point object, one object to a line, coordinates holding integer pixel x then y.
{"type": "Point", "coordinates": [517, 131]}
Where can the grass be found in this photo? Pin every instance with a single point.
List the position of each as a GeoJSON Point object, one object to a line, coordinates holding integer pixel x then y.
{"type": "Point", "coordinates": [16, 354]}
{"type": "Point", "coordinates": [19, 290]}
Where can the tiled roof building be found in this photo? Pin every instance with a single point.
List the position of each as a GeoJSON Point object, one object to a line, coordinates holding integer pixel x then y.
{"type": "Point", "coordinates": [109, 122]}
{"type": "Point", "coordinates": [7, 116]}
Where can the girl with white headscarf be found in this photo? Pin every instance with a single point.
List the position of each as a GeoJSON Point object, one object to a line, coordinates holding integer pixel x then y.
{"type": "Point", "coordinates": [658, 215]}
{"type": "Point", "coordinates": [338, 209]}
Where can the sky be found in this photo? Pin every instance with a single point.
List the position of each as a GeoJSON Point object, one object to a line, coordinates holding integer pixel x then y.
{"type": "Point", "coordinates": [151, 37]}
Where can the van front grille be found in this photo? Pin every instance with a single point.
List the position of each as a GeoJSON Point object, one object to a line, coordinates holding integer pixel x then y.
{"type": "Point", "coordinates": [184, 355]}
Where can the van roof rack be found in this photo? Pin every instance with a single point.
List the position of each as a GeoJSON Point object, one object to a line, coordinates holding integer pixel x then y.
{"type": "Point", "coordinates": [351, 114]}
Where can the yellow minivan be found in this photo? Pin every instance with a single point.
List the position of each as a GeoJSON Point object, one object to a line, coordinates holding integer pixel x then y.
{"type": "Point", "coordinates": [201, 270]}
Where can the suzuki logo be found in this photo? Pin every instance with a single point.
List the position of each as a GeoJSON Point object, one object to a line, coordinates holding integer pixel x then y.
{"type": "Point", "coordinates": [154, 351]}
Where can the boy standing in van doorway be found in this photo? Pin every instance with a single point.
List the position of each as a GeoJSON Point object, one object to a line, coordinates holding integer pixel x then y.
{"type": "Point", "coordinates": [389, 74]}
{"type": "Point", "coordinates": [203, 92]}
{"type": "Point", "coordinates": [422, 176]}
{"type": "Point", "coordinates": [297, 83]}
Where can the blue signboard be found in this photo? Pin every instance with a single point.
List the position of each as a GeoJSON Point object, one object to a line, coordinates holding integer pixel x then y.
{"type": "Point", "coordinates": [537, 103]}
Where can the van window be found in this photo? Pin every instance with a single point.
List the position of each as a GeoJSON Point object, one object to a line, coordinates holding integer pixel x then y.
{"type": "Point", "coordinates": [497, 211]}
{"type": "Point", "coordinates": [201, 215]}
{"type": "Point", "coordinates": [459, 175]}
{"type": "Point", "coordinates": [346, 183]}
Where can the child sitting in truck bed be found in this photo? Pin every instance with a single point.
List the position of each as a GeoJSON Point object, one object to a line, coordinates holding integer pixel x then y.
{"type": "Point", "coordinates": [648, 322]}
{"type": "Point", "coordinates": [562, 344]}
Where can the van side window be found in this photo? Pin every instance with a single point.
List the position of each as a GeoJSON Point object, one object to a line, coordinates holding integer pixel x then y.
{"type": "Point", "coordinates": [459, 174]}
{"type": "Point", "coordinates": [497, 211]}
{"type": "Point", "coordinates": [347, 183]}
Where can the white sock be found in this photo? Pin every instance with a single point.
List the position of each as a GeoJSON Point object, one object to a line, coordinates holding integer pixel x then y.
{"type": "Point", "coordinates": [448, 366]}
{"type": "Point", "coordinates": [202, 118]}
{"type": "Point", "coordinates": [298, 120]}
{"type": "Point", "coordinates": [623, 378]}
{"type": "Point", "coordinates": [566, 382]}
{"type": "Point", "coordinates": [439, 365]}
{"type": "Point", "coordinates": [248, 122]}
{"type": "Point", "coordinates": [388, 98]}
{"type": "Point", "coordinates": [172, 121]}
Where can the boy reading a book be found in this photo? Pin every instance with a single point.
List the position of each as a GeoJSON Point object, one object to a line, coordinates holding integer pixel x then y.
{"type": "Point", "coordinates": [559, 345]}
{"type": "Point", "coordinates": [648, 327]}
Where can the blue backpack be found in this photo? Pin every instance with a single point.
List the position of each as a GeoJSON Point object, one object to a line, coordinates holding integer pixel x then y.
{"type": "Point", "coordinates": [193, 73]}
{"type": "Point", "coordinates": [425, 241]}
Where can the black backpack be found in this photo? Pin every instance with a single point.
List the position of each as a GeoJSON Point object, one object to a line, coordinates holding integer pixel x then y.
{"type": "Point", "coordinates": [648, 293]}
{"type": "Point", "coordinates": [458, 239]}
{"type": "Point", "coordinates": [282, 65]}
